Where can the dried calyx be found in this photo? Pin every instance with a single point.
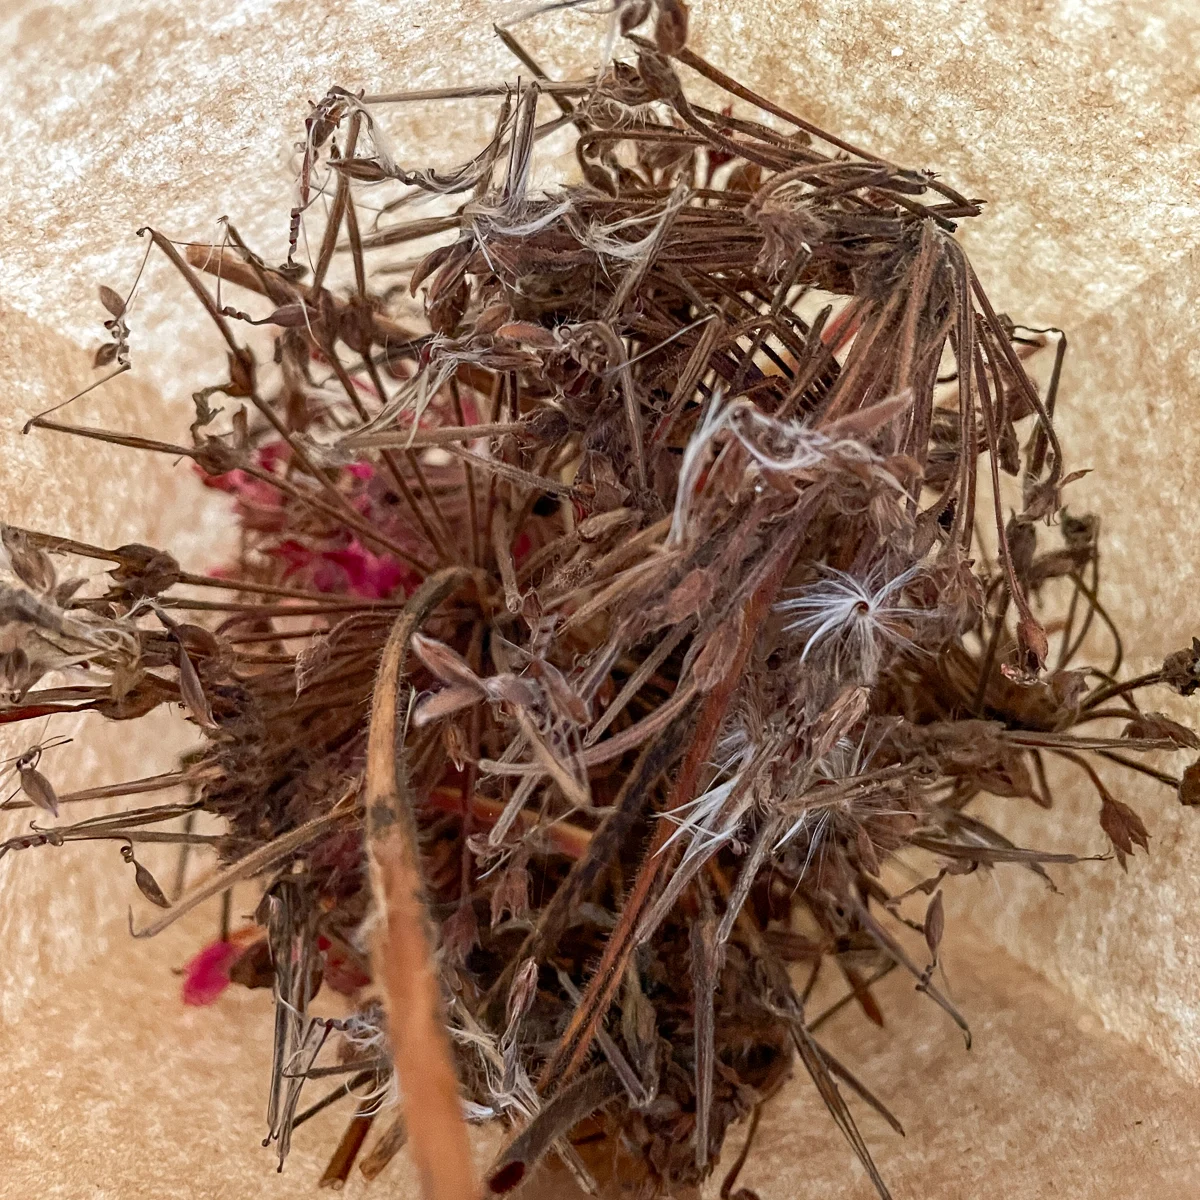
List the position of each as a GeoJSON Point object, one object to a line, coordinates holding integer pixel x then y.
{"type": "Point", "coordinates": [605, 632]}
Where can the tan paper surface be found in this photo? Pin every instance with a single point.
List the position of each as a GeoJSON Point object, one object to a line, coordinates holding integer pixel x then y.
{"type": "Point", "coordinates": [1075, 118]}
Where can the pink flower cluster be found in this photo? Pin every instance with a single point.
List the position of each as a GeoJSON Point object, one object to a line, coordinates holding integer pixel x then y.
{"type": "Point", "coordinates": [351, 568]}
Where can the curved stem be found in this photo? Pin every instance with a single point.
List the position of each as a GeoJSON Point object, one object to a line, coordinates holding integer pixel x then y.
{"type": "Point", "coordinates": [403, 956]}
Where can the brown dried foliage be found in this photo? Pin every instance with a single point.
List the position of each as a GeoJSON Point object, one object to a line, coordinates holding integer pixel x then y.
{"type": "Point", "coordinates": [668, 505]}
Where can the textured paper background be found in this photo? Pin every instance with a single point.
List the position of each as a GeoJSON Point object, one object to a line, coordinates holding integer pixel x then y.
{"type": "Point", "coordinates": [1075, 118]}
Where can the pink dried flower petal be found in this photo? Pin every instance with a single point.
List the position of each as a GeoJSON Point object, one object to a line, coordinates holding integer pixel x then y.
{"type": "Point", "coordinates": [249, 491]}
{"type": "Point", "coordinates": [369, 575]}
{"type": "Point", "coordinates": [231, 481]}
{"type": "Point", "coordinates": [274, 454]}
{"type": "Point", "coordinates": [259, 493]}
{"type": "Point", "coordinates": [206, 976]}
{"type": "Point", "coordinates": [295, 555]}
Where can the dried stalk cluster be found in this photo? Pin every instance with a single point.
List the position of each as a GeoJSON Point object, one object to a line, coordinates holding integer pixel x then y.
{"type": "Point", "coordinates": [601, 642]}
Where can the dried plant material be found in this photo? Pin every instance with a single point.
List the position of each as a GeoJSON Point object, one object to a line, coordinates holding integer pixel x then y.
{"type": "Point", "coordinates": [632, 576]}
{"type": "Point", "coordinates": [146, 883]}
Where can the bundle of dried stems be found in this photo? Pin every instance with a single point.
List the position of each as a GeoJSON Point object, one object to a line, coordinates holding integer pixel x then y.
{"type": "Point", "coordinates": [608, 636]}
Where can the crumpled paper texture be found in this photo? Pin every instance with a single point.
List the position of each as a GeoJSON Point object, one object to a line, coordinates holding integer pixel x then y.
{"type": "Point", "coordinates": [1076, 119]}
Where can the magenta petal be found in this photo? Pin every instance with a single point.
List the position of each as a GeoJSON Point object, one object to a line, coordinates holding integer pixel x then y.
{"type": "Point", "coordinates": [207, 975]}
{"type": "Point", "coordinates": [273, 454]}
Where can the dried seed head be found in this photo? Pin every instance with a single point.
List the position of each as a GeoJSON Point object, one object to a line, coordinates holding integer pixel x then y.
{"type": "Point", "coordinates": [615, 413]}
{"type": "Point", "coordinates": [1181, 670]}
{"type": "Point", "coordinates": [853, 622]}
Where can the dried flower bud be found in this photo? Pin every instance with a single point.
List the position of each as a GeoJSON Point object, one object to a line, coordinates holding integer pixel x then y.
{"type": "Point", "coordinates": [367, 170]}
{"type": "Point", "coordinates": [512, 690]}
{"type": "Point", "coordinates": [544, 426]}
{"type": "Point", "coordinates": [1181, 670]}
{"type": "Point", "coordinates": [436, 705]}
{"type": "Point", "coordinates": [455, 743]}
{"type": "Point", "coordinates": [292, 316]}
{"type": "Point", "coordinates": [563, 699]}
{"type": "Point", "coordinates": [29, 562]}
{"type": "Point", "coordinates": [1079, 533]}
{"type": "Point", "coordinates": [511, 894]}
{"type": "Point", "coordinates": [241, 373]}
{"type": "Point", "coordinates": [65, 591]}
{"type": "Point", "coordinates": [1189, 785]}
{"type": "Point", "coordinates": [493, 317]}
{"type": "Point", "coordinates": [199, 640]}
{"type": "Point", "coordinates": [1032, 644]}
{"type": "Point", "coordinates": [426, 267]}
{"type": "Point", "coordinates": [671, 27]}
{"type": "Point", "coordinates": [253, 967]}
{"type": "Point", "coordinates": [460, 935]}
{"type": "Point", "coordinates": [1124, 828]}
{"type": "Point", "coordinates": [144, 571]}
{"type": "Point", "coordinates": [661, 81]}
{"type": "Point", "coordinates": [528, 334]}
{"type": "Point", "coordinates": [1154, 726]}
{"type": "Point", "coordinates": [1022, 545]}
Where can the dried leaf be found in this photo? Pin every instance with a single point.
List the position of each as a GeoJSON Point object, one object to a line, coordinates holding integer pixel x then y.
{"type": "Point", "coordinates": [112, 300]}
